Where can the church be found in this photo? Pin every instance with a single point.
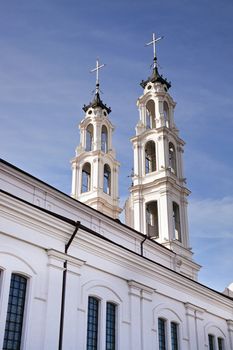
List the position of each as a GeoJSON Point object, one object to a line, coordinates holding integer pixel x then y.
{"type": "Point", "coordinates": [73, 276]}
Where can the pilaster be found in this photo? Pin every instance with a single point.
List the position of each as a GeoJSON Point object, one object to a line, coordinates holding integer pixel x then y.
{"type": "Point", "coordinates": [135, 315]}
{"type": "Point", "coordinates": [70, 335]}
{"type": "Point", "coordinates": [230, 332]}
{"type": "Point", "coordinates": [194, 317]}
{"type": "Point", "coordinates": [53, 303]}
{"type": "Point", "coordinates": [141, 316]}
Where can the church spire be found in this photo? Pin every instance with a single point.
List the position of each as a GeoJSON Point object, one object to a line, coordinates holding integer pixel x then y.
{"type": "Point", "coordinates": [97, 102]}
{"type": "Point", "coordinates": [157, 205]}
{"type": "Point", "coordinates": [155, 77]}
{"type": "Point", "coordinates": [95, 168]}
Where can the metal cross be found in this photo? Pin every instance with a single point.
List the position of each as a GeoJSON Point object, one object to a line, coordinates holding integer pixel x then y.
{"type": "Point", "coordinates": [96, 69]}
{"type": "Point", "coordinates": [154, 41]}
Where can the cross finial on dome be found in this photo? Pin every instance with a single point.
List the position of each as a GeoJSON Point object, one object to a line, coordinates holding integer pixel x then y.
{"type": "Point", "coordinates": [153, 42]}
{"type": "Point", "coordinates": [96, 69]}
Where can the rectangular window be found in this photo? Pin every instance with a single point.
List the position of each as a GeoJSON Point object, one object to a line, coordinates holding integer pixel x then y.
{"type": "Point", "coordinates": [211, 342]}
{"type": "Point", "coordinates": [92, 323]}
{"type": "Point", "coordinates": [111, 326]}
{"type": "Point", "coordinates": [162, 334]}
{"type": "Point", "coordinates": [220, 344]}
{"type": "Point", "coordinates": [15, 311]}
{"type": "Point", "coordinates": [174, 336]}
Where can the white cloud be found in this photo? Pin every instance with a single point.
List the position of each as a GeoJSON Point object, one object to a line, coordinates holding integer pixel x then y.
{"type": "Point", "coordinates": [212, 218]}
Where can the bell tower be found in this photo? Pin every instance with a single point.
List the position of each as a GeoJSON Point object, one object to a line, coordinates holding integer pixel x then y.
{"type": "Point", "coordinates": [95, 168]}
{"type": "Point", "coordinates": [157, 205]}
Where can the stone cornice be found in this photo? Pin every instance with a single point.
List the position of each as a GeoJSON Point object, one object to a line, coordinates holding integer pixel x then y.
{"type": "Point", "coordinates": [148, 268]}
{"type": "Point", "coordinates": [165, 180]}
{"type": "Point", "coordinates": [110, 251]}
{"type": "Point", "coordinates": [56, 258]}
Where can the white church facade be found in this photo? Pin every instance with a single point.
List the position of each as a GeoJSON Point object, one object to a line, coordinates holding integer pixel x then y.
{"type": "Point", "coordinates": [72, 276]}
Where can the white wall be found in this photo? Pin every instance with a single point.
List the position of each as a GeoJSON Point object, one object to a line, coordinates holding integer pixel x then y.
{"type": "Point", "coordinates": [143, 288]}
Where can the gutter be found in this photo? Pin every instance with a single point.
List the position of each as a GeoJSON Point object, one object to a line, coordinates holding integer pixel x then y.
{"type": "Point", "coordinates": [142, 244]}
{"type": "Point", "coordinates": [63, 296]}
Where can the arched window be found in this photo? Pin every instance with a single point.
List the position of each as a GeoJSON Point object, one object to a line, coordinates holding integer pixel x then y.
{"type": "Point", "coordinates": [176, 221]}
{"type": "Point", "coordinates": [166, 113]}
{"type": "Point", "coordinates": [92, 323]}
{"type": "Point", "coordinates": [211, 341]}
{"type": "Point", "coordinates": [174, 336]}
{"type": "Point", "coordinates": [104, 139]}
{"type": "Point", "coordinates": [215, 342]}
{"type": "Point", "coordinates": [89, 138]}
{"type": "Point", "coordinates": [107, 179]}
{"type": "Point", "coordinates": [152, 222]}
{"type": "Point", "coordinates": [220, 343]}
{"type": "Point", "coordinates": [172, 158]}
{"type": "Point", "coordinates": [110, 326]}
{"type": "Point", "coordinates": [162, 334]}
{"type": "Point", "coordinates": [163, 326]}
{"type": "Point", "coordinates": [150, 114]}
{"type": "Point", "coordinates": [86, 178]}
{"type": "Point", "coordinates": [15, 312]}
{"type": "Point", "coordinates": [150, 157]}
{"type": "Point", "coordinates": [95, 324]}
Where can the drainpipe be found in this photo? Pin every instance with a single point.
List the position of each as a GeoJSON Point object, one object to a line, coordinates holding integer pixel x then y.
{"type": "Point", "coordinates": [63, 295]}
{"type": "Point", "coordinates": [142, 245]}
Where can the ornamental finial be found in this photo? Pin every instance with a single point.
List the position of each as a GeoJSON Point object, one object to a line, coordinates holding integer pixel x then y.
{"type": "Point", "coordinates": [153, 42]}
{"type": "Point", "coordinates": [96, 69]}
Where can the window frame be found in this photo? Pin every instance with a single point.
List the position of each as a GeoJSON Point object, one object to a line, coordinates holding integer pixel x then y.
{"type": "Point", "coordinates": [150, 217]}
{"type": "Point", "coordinates": [176, 222]}
{"type": "Point", "coordinates": [114, 335]}
{"type": "Point", "coordinates": [86, 187]}
{"type": "Point", "coordinates": [211, 342]}
{"type": "Point", "coordinates": [104, 142]}
{"type": "Point", "coordinates": [11, 303]}
{"type": "Point", "coordinates": [102, 329]}
{"type": "Point", "coordinates": [150, 114]}
{"type": "Point", "coordinates": [107, 180]}
{"type": "Point", "coordinates": [94, 346]}
{"type": "Point", "coordinates": [89, 137]}
{"type": "Point", "coordinates": [175, 341]}
{"type": "Point", "coordinates": [162, 342]}
{"type": "Point", "coordinates": [172, 158]}
{"type": "Point", "coordinates": [220, 342]}
{"type": "Point", "coordinates": [150, 157]}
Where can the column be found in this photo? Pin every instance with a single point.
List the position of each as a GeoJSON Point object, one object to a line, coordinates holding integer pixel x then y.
{"type": "Point", "coordinates": [138, 212]}
{"type": "Point", "coordinates": [74, 180]}
{"type": "Point", "coordinates": [163, 212]}
{"type": "Point", "coordinates": [161, 152]}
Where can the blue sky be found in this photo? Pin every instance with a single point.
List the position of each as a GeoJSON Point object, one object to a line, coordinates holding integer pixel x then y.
{"type": "Point", "coordinates": [47, 50]}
